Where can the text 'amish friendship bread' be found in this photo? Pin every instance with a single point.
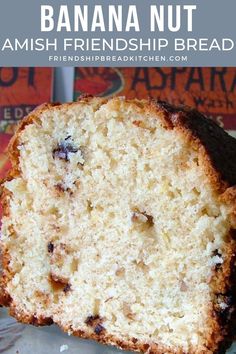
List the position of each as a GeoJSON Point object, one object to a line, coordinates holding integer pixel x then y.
{"type": "Point", "coordinates": [118, 225]}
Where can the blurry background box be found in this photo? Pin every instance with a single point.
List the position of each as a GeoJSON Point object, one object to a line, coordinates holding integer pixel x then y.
{"type": "Point", "coordinates": [211, 90]}
{"type": "Point", "coordinates": [21, 90]}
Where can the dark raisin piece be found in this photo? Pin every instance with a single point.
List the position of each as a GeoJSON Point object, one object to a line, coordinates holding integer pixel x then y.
{"type": "Point", "coordinates": [91, 319]}
{"type": "Point", "coordinates": [218, 266]}
{"type": "Point", "coordinates": [224, 314]}
{"type": "Point", "coordinates": [63, 150]}
{"type": "Point", "coordinates": [67, 288]}
{"type": "Point", "coordinates": [68, 137]}
{"type": "Point", "coordinates": [50, 247]}
{"type": "Point", "coordinates": [60, 153]}
{"type": "Point", "coordinates": [99, 329]}
{"type": "Point", "coordinates": [233, 234]}
{"type": "Point", "coordinates": [216, 253]}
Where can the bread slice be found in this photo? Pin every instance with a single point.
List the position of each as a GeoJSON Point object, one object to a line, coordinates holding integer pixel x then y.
{"type": "Point", "coordinates": [119, 225]}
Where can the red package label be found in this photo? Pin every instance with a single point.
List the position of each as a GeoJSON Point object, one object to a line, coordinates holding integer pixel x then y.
{"type": "Point", "coordinates": [21, 90]}
{"type": "Point", "coordinates": [211, 90]}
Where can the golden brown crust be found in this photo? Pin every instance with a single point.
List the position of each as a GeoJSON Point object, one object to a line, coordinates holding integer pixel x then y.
{"type": "Point", "coordinates": [218, 147]}
{"type": "Point", "coordinates": [29, 318]}
{"type": "Point", "coordinates": [13, 153]}
{"type": "Point", "coordinates": [217, 151]}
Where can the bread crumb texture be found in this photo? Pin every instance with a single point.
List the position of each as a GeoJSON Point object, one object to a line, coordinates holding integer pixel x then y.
{"type": "Point", "coordinates": [114, 231]}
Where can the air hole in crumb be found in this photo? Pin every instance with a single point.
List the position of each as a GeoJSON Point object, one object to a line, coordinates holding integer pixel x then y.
{"type": "Point", "coordinates": [96, 307]}
{"type": "Point", "coordinates": [127, 311]}
{"type": "Point", "coordinates": [42, 297]}
{"type": "Point", "coordinates": [54, 211]}
{"type": "Point", "coordinates": [172, 194]}
{"type": "Point", "coordinates": [99, 208]}
{"type": "Point", "coordinates": [98, 256]}
{"type": "Point", "coordinates": [152, 184]}
{"type": "Point", "coordinates": [205, 211]}
{"type": "Point", "coordinates": [196, 161]}
{"type": "Point", "coordinates": [178, 315]}
{"type": "Point", "coordinates": [114, 318]}
{"type": "Point", "coordinates": [56, 298]}
{"type": "Point", "coordinates": [74, 265]}
{"type": "Point", "coordinates": [112, 215]}
{"type": "Point", "coordinates": [12, 231]}
{"type": "Point", "coordinates": [147, 168]}
{"type": "Point", "coordinates": [89, 206]}
{"type": "Point", "coordinates": [183, 286]}
{"type": "Point", "coordinates": [195, 191]}
{"type": "Point", "coordinates": [135, 145]}
{"type": "Point", "coordinates": [120, 272]}
{"type": "Point", "coordinates": [155, 333]}
{"type": "Point", "coordinates": [113, 163]}
{"type": "Point", "coordinates": [105, 131]}
{"type": "Point", "coordinates": [120, 119]}
{"type": "Point", "coordinates": [143, 125]}
{"type": "Point", "coordinates": [142, 266]}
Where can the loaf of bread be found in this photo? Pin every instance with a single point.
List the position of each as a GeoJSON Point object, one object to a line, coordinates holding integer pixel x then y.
{"type": "Point", "coordinates": [118, 225]}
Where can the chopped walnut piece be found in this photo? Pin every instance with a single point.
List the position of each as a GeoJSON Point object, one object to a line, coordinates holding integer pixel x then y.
{"type": "Point", "coordinates": [91, 320]}
{"type": "Point", "coordinates": [67, 288]}
{"type": "Point", "coordinates": [127, 311]}
{"type": "Point", "coordinates": [95, 322]}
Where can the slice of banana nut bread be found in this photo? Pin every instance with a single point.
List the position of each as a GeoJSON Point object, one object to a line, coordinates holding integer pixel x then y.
{"type": "Point", "coordinates": [118, 225]}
